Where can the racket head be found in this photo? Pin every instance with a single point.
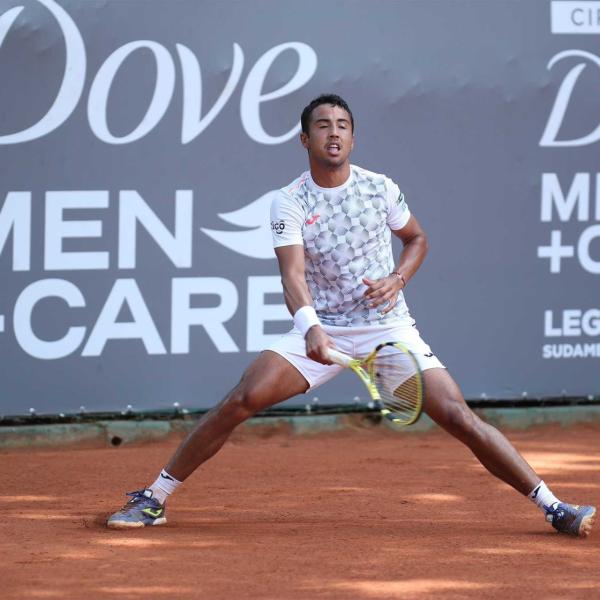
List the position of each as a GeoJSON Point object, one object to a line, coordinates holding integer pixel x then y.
{"type": "Point", "coordinates": [360, 367]}
{"type": "Point", "coordinates": [394, 371]}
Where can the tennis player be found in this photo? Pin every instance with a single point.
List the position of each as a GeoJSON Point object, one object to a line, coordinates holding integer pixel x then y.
{"type": "Point", "coordinates": [332, 229]}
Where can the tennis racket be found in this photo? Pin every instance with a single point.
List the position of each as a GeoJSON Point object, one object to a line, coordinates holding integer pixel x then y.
{"type": "Point", "coordinates": [392, 376]}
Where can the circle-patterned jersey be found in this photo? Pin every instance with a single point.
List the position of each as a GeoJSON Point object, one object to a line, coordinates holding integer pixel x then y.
{"type": "Point", "coordinates": [346, 234]}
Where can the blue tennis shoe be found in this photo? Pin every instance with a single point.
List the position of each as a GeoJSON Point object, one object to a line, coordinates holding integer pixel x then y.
{"type": "Point", "coordinates": [571, 518]}
{"type": "Point", "coordinates": [140, 511]}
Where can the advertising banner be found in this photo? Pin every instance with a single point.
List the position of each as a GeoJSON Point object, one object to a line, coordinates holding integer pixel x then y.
{"type": "Point", "coordinates": [141, 143]}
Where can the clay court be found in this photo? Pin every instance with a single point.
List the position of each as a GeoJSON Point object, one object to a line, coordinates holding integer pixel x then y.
{"type": "Point", "coordinates": [365, 513]}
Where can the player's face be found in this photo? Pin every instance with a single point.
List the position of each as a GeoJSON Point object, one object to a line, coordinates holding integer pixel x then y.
{"type": "Point", "coordinates": [330, 138]}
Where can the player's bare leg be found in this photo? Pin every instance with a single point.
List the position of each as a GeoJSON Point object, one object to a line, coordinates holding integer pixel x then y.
{"type": "Point", "coordinates": [269, 379]}
{"type": "Point", "coordinates": [445, 404]}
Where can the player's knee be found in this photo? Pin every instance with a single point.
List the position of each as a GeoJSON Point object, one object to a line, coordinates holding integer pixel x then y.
{"type": "Point", "coordinates": [461, 421]}
{"type": "Point", "coordinates": [242, 403]}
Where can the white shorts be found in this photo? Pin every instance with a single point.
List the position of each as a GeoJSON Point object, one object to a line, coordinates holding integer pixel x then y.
{"type": "Point", "coordinates": [358, 342]}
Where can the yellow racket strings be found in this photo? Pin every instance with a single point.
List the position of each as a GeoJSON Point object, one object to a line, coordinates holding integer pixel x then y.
{"type": "Point", "coordinates": [399, 383]}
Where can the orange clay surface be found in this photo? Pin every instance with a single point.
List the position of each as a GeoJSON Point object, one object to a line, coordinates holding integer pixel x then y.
{"type": "Point", "coordinates": [365, 513]}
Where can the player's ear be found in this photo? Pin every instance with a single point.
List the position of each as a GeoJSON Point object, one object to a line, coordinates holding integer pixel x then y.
{"type": "Point", "coordinates": [304, 139]}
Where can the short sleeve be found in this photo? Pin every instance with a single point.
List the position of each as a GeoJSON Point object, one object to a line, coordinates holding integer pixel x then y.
{"type": "Point", "coordinates": [287, 218]}
{"type": "Point", "coordinates": [398, 212]}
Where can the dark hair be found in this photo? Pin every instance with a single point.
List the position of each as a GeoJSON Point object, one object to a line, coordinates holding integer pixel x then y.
{"type": "Point", "coordinates": [332, 99]}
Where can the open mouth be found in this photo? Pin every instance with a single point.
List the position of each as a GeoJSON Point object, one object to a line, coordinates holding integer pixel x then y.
{"type": "Point", "coordinates": [333, 148]}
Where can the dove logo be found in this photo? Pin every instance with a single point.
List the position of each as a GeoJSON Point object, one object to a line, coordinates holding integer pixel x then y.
{"type": "Point", "coordinates": [255, 241]}
{"type": "Point", "coordinates": [563, 98]}
{"type": "Point", "coordinates": [252, 101]}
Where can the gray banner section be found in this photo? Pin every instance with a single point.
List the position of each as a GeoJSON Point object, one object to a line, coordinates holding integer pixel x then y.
{"type": "Point", "coordinates": [139, 142]}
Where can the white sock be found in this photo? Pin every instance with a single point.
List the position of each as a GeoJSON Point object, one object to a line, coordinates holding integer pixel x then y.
{"type": "Point", "coordinates": [164, 486]}
{"type": "Point", "coordinates": [543, 497]}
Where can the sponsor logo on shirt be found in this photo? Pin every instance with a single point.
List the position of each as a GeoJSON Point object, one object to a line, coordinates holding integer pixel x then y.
{"type": "Point", "coordinates": [313, 219]}
{"type": "Point", "coordinates": [278, 226]}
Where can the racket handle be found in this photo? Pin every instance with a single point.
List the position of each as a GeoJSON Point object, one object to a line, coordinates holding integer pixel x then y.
{"type": "Point", "coordinates": [339, 357]}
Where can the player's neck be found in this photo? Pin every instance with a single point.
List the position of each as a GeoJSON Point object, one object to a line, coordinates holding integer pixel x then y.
{"type": "Point", "coordinates": [330, 177]}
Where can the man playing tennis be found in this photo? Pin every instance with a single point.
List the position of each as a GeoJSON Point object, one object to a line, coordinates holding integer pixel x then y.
{"type": "Point", "coordinates": [332, 235]}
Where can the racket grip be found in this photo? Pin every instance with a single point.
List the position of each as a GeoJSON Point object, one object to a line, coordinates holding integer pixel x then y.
{"type": "Point", "coordinates": [339, 357]}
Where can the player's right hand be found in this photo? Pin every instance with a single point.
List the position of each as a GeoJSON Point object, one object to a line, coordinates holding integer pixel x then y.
{"type": "Point", "coordinates": [317, 343]}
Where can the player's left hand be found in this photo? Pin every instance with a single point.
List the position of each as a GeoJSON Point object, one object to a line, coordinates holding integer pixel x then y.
{"type": "Point", "coordinates": [380, 291]}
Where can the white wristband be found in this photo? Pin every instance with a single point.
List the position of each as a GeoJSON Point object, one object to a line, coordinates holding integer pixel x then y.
{"type": "Point", "coordinates": [305, 318]}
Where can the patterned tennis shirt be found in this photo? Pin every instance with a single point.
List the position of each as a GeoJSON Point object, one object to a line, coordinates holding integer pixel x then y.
{"type": "Point", "coordinates": [346, 234]}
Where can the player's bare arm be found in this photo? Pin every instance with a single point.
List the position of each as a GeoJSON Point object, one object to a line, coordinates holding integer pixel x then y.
{"type": "Point", "coordinates": [414, 250]}
{"type": "Point", "coordinates": [297, 295]}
